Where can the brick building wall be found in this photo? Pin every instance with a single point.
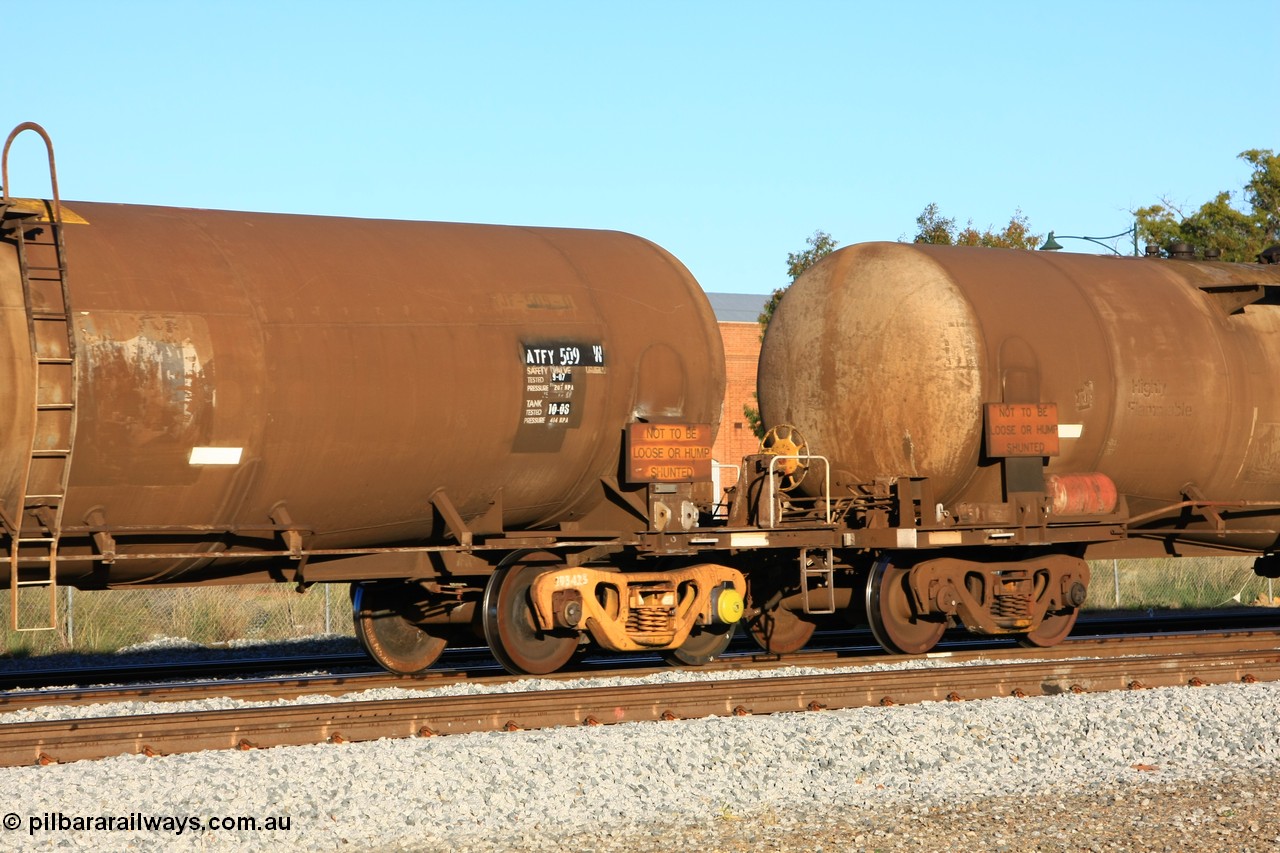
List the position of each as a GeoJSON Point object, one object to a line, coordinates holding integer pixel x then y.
{"type": "Point", "coordinates": [741, 355]}
{"type": "Point", "coordinates": [737, 315]}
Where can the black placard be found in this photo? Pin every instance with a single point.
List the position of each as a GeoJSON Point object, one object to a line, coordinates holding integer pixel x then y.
{"type": "Point", "coordinates": [555, 375]}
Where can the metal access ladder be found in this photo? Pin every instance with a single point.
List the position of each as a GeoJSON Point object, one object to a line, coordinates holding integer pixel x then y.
{"type": "Point", "coordinates": [35, 526]}
{"type": "Point", "coordinates": [818, 564]}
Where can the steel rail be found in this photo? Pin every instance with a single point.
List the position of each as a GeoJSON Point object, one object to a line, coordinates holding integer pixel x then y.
{"type": "Point", "coordinates": [846, 642]}
{"type": "Point", "coordinates": [271, 688]}
{"type": "Point", "coordinates": [162, 734]}
{"type": "Point", "coordinates": [155, 672]}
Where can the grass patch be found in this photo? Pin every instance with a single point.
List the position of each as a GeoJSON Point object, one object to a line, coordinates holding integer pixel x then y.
{"type": "Point", "coordinates": [1178, 583]}
{"type": "Point", "coordinates": [109, 620]}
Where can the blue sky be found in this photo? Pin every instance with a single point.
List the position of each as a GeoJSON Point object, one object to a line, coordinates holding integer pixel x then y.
{"type": "Point", "coordinates": [726, 132]}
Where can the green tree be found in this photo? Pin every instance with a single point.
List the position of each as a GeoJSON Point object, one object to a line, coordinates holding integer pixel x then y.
{"type": "Point", "coordinates": [933, 227]}
{"type": "Point", "coordinates": [1218, 224]}
{"type": "Point", "coordinates": [820, 244]}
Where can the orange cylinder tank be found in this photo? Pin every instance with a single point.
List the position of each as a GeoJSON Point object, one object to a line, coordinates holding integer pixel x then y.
{"type": "Point", "coordinates": [884, 354]}
{"type": "Point", "coordinates": [236, 369]}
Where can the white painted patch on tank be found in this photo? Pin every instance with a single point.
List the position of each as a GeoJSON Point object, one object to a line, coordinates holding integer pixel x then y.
{"type": "Point", "coordinates": [216, 455]}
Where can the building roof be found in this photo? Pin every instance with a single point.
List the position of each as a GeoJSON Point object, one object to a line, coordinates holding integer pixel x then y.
{"type": "Point", "coordinates": [737, 307]}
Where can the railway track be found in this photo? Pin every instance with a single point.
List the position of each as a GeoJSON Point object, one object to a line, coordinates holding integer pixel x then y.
{"type": "Point", "coordinates": [271, 688]}
{"type": "Point", "coordinates": [476, 659]}
{"type": "Point", "coordinates": [1077, 666]}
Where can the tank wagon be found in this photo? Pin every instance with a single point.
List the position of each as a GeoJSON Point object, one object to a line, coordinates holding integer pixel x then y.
{"type": "Point", "coordinates": [507, 431]}
{"type": "Point", "coordinates": [424, 410]}
{"type": "Point", "coordinates": [991, 419]}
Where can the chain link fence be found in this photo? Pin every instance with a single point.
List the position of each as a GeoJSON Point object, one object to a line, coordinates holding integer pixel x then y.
{"type": "Point", "coordinates": [109, 620]}
{"type": "Point", "coordinates": [1179, 583]}
{"type": "Point", "coordinates": [102, 621]}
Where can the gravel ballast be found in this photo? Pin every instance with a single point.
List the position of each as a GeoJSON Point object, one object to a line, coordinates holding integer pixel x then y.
{"type": "Point", "coordinates": [1175, 768]}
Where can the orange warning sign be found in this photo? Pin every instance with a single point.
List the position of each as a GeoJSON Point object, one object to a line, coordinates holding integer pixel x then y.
{"type": "Point", "coordinates": [1022, 429]}
{"type": "Point", "coordinates": [668, 453]}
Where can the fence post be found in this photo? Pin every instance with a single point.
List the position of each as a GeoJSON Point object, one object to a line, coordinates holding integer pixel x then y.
{"type": "Point", "coordinates": [328, 624]}
{"type": "Point", "coordinates": [1115, 567]}
{"type": "Point", "coordinates": [71, 617]}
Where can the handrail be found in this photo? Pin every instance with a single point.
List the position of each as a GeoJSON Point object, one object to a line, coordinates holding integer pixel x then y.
{"type": "Point", "coordinates": [826, 468]}
{"type": "Point", "coordinates": [53, 169]}
{"type": "Point", "coordinates": [1194, 504]}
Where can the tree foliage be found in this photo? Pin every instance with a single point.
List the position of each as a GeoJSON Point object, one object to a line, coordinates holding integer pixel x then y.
{"type": "Point", "coordinates": [1240, 235]}
{"type": "Point", "coordinates": [933, 227]}
{"type": "Point", "coordinates": [819, 245]}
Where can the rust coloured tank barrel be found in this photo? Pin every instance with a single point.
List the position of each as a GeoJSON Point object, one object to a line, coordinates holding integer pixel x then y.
{"type": "Point", "coordinates": [339, 376]}
{"type": "Point", "coordinates": [1163, 371]}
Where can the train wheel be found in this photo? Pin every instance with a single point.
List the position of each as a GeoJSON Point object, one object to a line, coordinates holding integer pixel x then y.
{"type": "Point", "coordinates": [381, 614]}
{"type": "Point", "coordinates": [702, 646]}
{"type": "Point", "coordinates": [780, 631]}
{"type": "Point", "coordinates": [1053, 629]}
{"type": "Point", "coordinates": [510, 627]}
{"type": "Point", "coordinates": [891, 612]}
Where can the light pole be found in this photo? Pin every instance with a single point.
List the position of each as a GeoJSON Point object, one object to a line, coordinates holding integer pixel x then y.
{"type": "Point", "coordinates": [1052, 244]}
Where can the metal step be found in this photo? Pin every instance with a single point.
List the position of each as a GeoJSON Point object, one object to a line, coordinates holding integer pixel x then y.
{"type": "Point", "coordinates": [822, 570]}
